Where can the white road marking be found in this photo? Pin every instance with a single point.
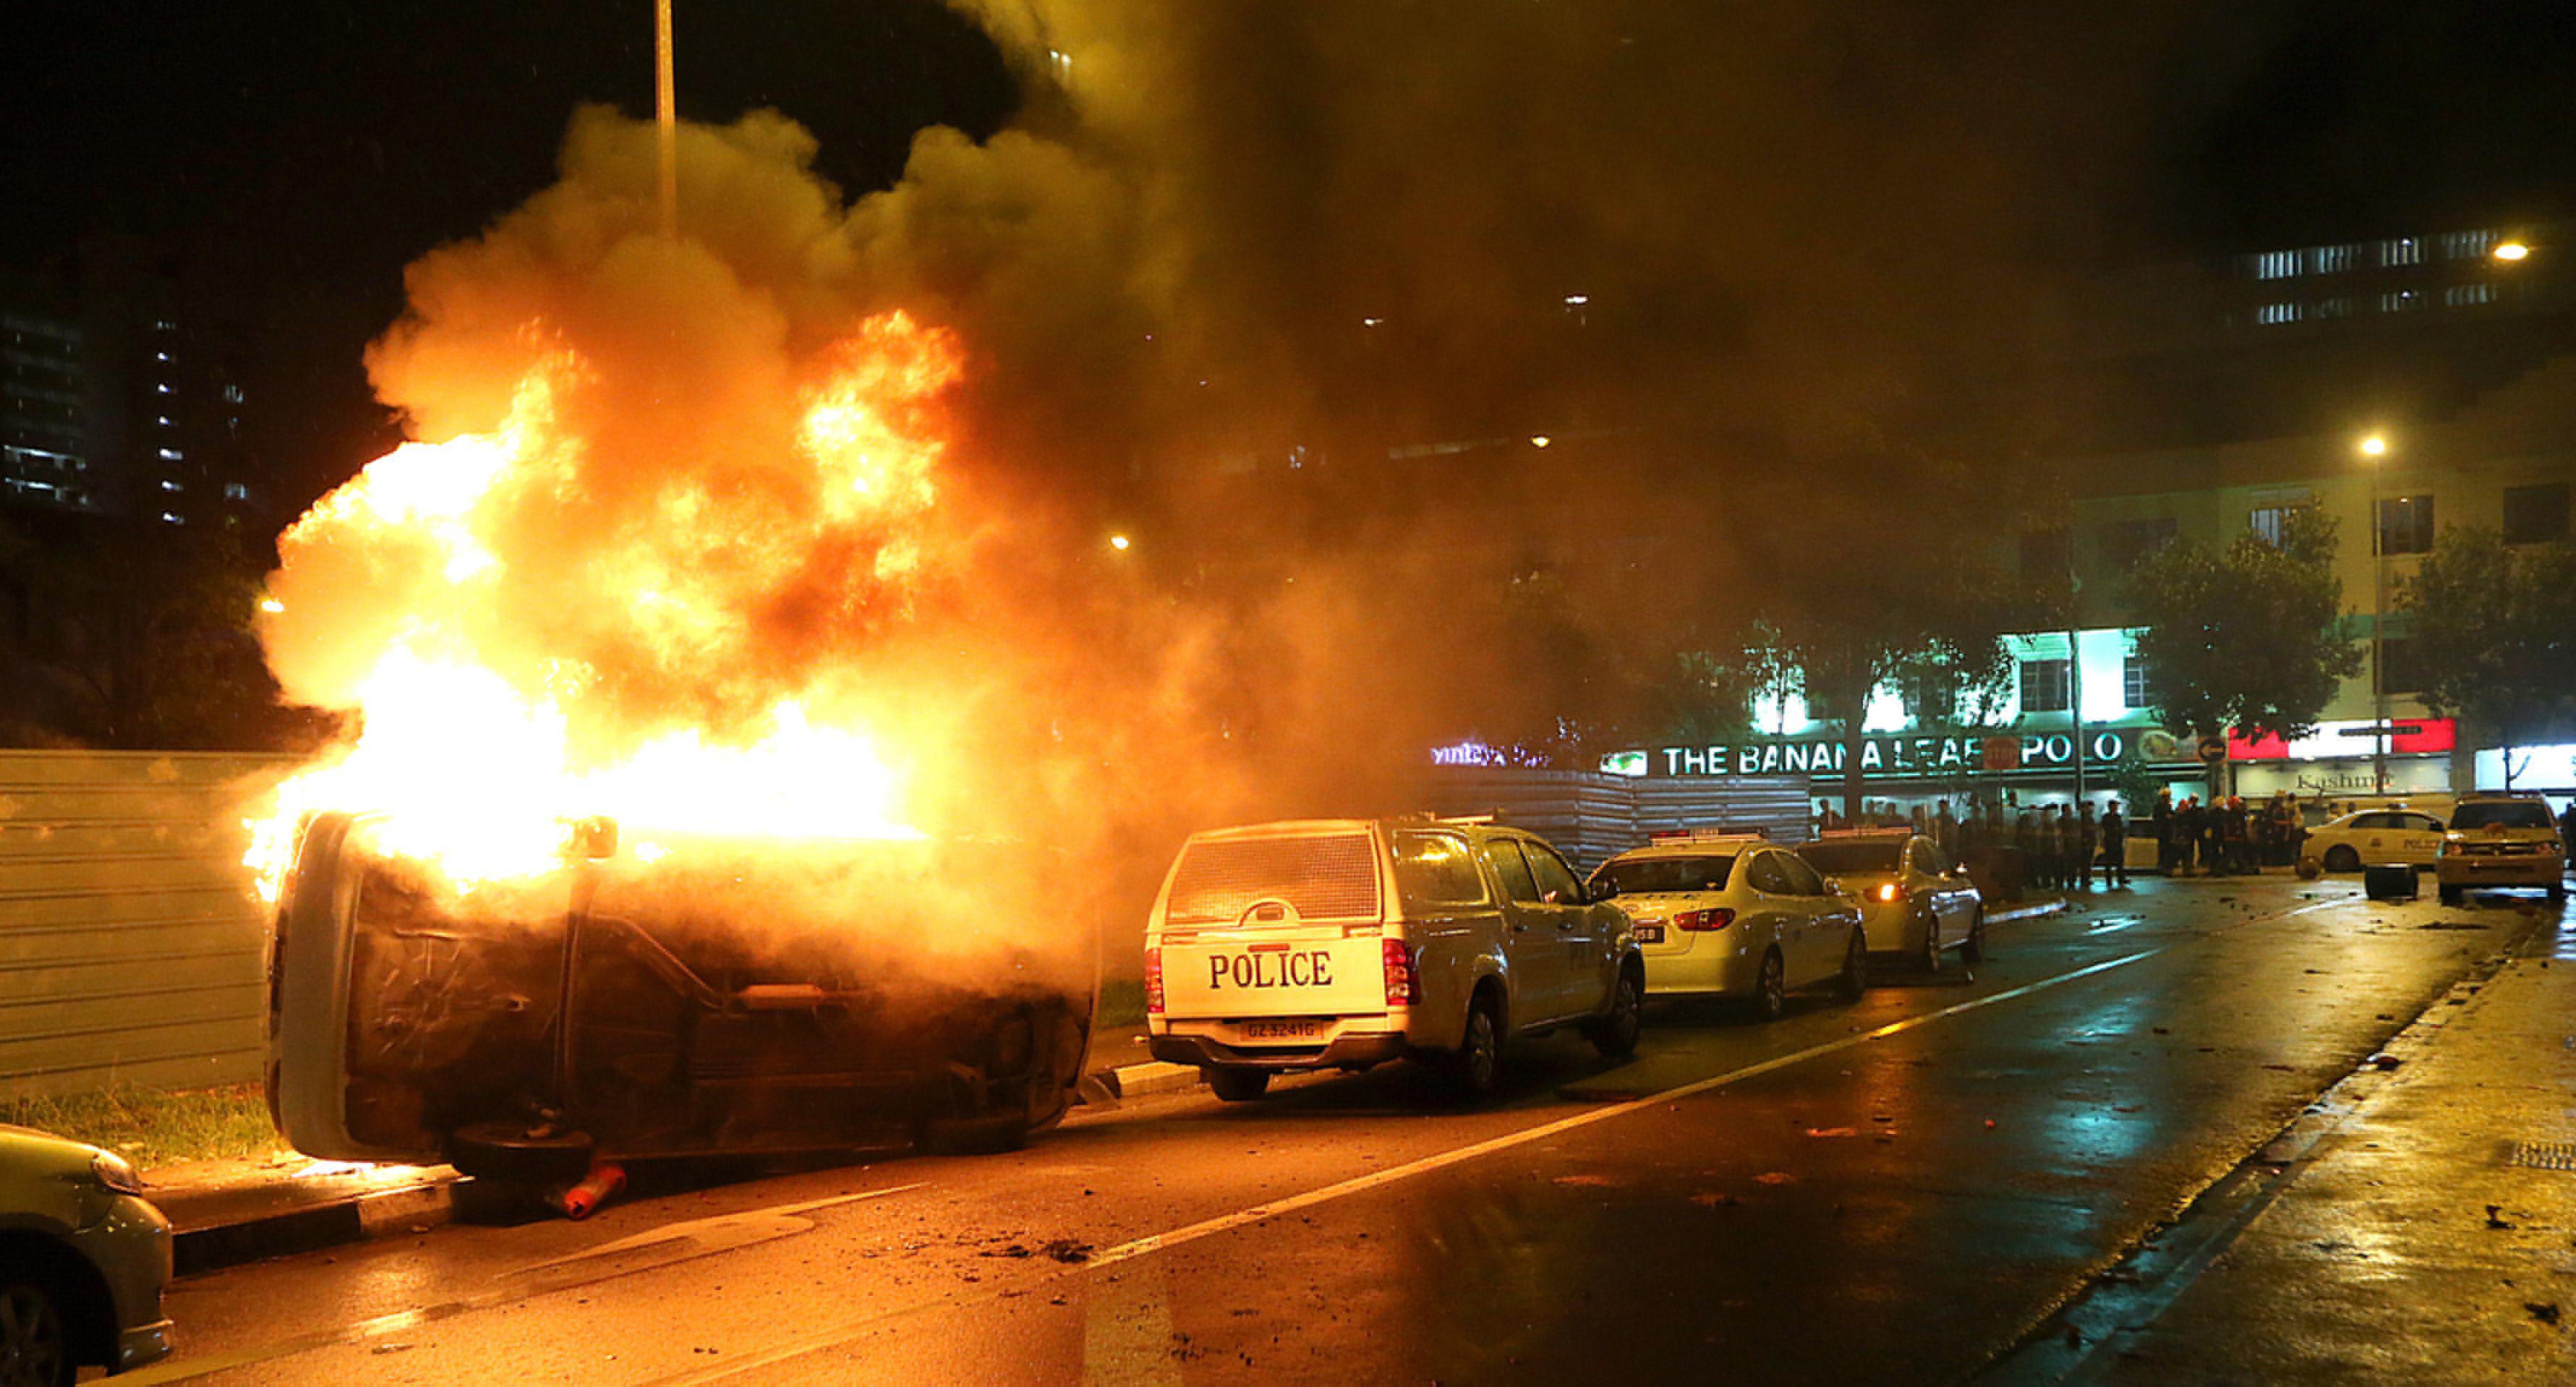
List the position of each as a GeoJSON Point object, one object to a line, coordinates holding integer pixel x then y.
{"type": "Point", "coordinates": [1159, 1242]}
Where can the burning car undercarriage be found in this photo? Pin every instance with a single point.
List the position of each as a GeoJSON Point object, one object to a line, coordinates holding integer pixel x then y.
{"type": "Point", "coordinates": [706, 1001]}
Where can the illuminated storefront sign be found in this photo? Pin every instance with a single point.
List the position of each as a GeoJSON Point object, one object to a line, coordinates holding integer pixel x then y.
{"type": "Point", "coordinates": [2334, 740]}
{"type": "Point", "coordinates": [1884, 757]}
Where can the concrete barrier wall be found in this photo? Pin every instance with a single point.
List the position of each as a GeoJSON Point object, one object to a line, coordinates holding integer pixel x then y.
{"type": "Point", "coordinates": [131, 942]}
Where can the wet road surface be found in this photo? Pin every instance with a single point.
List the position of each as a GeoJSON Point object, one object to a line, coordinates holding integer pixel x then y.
{"type": "Point", "coordinates": [1898, 1190]}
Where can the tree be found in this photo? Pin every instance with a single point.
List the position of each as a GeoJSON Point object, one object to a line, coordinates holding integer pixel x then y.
{"type": "Point", "coordinates": [2244, 638]}
{"type": "Point", "coordinates": [2494, 630]}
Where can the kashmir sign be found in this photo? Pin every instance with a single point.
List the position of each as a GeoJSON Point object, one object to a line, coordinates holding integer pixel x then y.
{"type": "Point", "coordinates": [1886, 757]}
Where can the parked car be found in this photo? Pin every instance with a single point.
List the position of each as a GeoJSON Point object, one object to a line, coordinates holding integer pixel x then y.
{"type": "Point", "coordinates": [83, 1258]}
{"type": "Point", "coordinates": [1735, 915]}
{"type": "Point", "coordinates": [2501, 840]}
{"type": "Point", "coordinates": [707, 997]}
{"type": "Point", "coordinates": [2376, 837]}
{"type": "Point", "coordinates": [1914, 901]}
{"type": "Point", "coordinates": [1345, 943]}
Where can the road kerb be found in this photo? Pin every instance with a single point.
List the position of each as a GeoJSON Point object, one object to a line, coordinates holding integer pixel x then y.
{"type": "Point", "coordinates": [1137, 1080]}
{"type": "Point", "coordinates": [2026, 912]}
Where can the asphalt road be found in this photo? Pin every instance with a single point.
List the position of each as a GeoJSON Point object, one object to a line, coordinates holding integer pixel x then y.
{"type": "Point", "coordinates": [1898, 1190]}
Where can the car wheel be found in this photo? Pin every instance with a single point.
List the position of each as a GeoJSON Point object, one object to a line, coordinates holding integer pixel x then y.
{"type": "Point", "coordinates": [35, 1342]}
{"type": "Point", "coordinates": [1238, 1085]}
{"type": "Point", "coordinates": [2558, 893]}
{"type": "Point", "coordinates": [1931, 955]}
{"type": "Point", "coordinates": [517, 1153]}
{"type": "Point", "coordinates": [2453, 895]}
{"type": "Point", "coordinates": [1855, 975]}
{"type": "Point", "coordinates": [1476, 1069]}
{"type": "Point", "coordinates": [2342, 858]}
{"type": "Point", "coordinates": [1771, 988]}
{"type": "Point", "coordinates": [1974, 950]}
{"type": "Point", "coordinates": [1615, 1034]}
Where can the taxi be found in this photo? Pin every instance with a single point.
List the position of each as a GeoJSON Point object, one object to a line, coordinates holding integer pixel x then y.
{"type": "Point", "coordinates": [2376, 837]}
{"type": "Point", "coordinates": [1914, 900]}
{"type": "Point", "coordinates": [1737, 916]}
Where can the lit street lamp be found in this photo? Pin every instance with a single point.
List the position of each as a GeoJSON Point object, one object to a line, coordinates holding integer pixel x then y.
{"type": "Point", "coordinates": [2511, 251]}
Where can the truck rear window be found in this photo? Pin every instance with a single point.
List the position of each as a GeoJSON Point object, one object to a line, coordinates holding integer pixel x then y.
{"type": "Point", "coordinates": [1329, 876]}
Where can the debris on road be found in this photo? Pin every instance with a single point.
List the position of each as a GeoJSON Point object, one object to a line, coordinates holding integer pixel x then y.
{"type": "Point", "coordinates": [2493, 1219]}
{"type": "Point", "coordinates": [2545, 1313]}
{"type": "Point", "coordinates": [1829, 1131]}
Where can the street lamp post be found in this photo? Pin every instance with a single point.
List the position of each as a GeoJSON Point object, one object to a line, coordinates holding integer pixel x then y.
{"type": "Point", "coordinates": [2375, 447]}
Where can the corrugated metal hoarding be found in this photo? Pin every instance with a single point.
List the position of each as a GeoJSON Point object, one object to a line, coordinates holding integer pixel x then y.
{"type": "Point", "coordinates": [131, 942]}
{"type": "Point", "coordinates": [1589, 816]}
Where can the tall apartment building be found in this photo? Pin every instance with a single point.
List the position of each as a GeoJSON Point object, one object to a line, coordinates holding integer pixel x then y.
{"type": "Point", "coordinates": [119, 398]}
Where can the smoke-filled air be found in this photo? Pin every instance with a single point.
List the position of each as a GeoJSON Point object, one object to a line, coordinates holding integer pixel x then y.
{"type": "Point", "coordinates": [1354, 322]}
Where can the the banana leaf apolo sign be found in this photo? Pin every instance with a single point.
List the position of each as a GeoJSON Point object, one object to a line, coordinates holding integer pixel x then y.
{"type": "Point", "coordinates": [1883, 756]}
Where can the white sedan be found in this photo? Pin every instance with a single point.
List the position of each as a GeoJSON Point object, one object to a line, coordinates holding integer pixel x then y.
{"type": "Point", "coordinates": [2374, 837]}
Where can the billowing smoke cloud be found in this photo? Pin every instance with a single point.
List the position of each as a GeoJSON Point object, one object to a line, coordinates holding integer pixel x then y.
{"type": "Point", "coordinates": [1292, 292]}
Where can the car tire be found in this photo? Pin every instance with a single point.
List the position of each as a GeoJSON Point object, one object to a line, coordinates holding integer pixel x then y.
{"type": "Point", "coordinates": [1235, 1084]}
{"type": "Point", "coordinates": [35, 1334]}
{"type": "Point", "coordinates": [511, 1152]}
{"type": "Point", "coordinates": [1853, 983]}
{"type": "Point", "coordinates": [1930, 957]}
{"type": "Point", "coordinates": [2558, 893]}
{"type": "Point", "coordinates": [1476, 1066]}
{"type": "Point", "coordinates": [1972, 951]}
{"type": "Point", "coordinates": [1615, 1034]}
{"type": "Point", "coordinates": [1770, 988]}
{"type": "Point", "coordinates": [2454, 895]}
{"type": "Point", "coordinates": [2342, 857]}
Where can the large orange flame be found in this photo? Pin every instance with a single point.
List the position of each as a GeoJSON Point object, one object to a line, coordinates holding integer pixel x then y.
{"type": "Point", "coordinates": [479, 757]}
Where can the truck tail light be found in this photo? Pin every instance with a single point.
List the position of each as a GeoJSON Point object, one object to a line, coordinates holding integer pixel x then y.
{"type": "Point", "coordinates": [1154, 980]}
{"type": "Point", "coordinates": [1702, 921]}
{"type": "Point", "coordinates": [1892, 891]}
{"type": "Point", "coordinates": [1403, 985]}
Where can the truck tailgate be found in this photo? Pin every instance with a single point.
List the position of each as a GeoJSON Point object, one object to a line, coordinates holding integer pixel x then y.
{"type": "Point", "coordinates": [1215, 977]}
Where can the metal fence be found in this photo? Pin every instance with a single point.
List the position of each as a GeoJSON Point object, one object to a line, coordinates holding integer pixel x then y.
{"type": "Point", "coordinates": [1589, 816]}
{"type": "Point", "coordinates": [131, 942]}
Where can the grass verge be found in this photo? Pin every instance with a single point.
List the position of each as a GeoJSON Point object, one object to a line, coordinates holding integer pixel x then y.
{"type": "Point", "coordinates": [1122, 1002]}
{"type": "Point", "coordinates": [154, 1127]}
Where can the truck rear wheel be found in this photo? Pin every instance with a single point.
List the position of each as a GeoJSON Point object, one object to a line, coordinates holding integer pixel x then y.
{"type": "Point", "coordinates": [1475, 1070]}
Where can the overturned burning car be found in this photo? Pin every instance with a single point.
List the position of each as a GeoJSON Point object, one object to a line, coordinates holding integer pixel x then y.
{"type": "Point", "coordinates": [679, 997]}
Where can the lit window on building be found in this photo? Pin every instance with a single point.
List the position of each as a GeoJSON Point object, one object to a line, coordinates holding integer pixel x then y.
{"type": "Point", "coordinates": [2399, 300]}
{"type": "Point", "coordinates": [2535, 514]}
{"type": "Point", "coordinates": [2271, 313]}
{"type": "Point", "coordinates": [2467, 245]}
{"type": "Point", "coordinates": [2468, 295]}
{"type": "Point", "coordinates": [171, 454]}
{"type": "Point", "coordinates": [2405, 250]}
{"type": "Point", "coordinates": [2276, 264]}
{"type": "Point", "coordinates": [2327, 260]}
{"type": "Point", "coordinates": [2045, 686]}
{"type": "Point", "coordinates": [232, 395]}
{"type": "Point", "coordinates": [2137, 683]}
{"type": "Point", "coordinates": [2338, 307]}
{"type": "Point", "coordinates": [235, 491]}
{"type": "Point", "coordinates": [2406, 524]}
{"type": "Point", "coordinates": [2269, 522]}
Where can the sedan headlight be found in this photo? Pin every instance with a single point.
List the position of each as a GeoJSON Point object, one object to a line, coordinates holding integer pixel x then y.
{"type": "Point", "coordinates": [113, 1172]}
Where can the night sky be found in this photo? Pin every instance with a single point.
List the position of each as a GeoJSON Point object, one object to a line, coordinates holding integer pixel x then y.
{"type": "Point", "coordinates": [300, 155]}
